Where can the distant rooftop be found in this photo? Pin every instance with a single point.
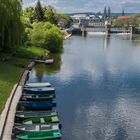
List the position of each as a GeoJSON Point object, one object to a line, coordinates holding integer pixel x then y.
{"type": "Point", "coordinates": [124, 17]}
{"type": "Point", "coordinates": [79, 15]}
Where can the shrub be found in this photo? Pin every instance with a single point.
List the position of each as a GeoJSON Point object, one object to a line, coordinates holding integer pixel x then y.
{"type": "Point", "coordinates": [46, 35]}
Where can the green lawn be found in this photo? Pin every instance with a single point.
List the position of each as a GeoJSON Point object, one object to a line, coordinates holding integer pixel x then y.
{"type": "Point", "coordinates": [9, 76]}
{"type": "Point", "coordinates": [11, 65]}
{"type": "Point", "coordinates": [22, 56]}
{"type": "Point", "coordinates": [31, 52]}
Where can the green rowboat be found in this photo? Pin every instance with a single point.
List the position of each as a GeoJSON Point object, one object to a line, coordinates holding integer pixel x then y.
{"type": "Point", "coordinates": [34, 114]}
{"type": "Point", "coordinates": [42, 120]}
{"type": "Point", "coordinates": [40, 135]}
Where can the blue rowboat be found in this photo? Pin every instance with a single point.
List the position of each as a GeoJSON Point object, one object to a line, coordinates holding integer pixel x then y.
{"type": "Point", "coordinates": [44, 90]}
{"type": "Point", "coordinates": [38, 97]}
{"type": "Point", "coordinates": [37, 85]}
{"type": "Point", "coordinates": [36, 105]}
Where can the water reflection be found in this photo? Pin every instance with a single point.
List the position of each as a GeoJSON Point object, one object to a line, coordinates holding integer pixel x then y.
{"type": "Point", "coordinates": [97, 89]}
{"type": "Point", "coordinates": [106, 41]}
{"type": "Point", "coordinates": [42, 69]}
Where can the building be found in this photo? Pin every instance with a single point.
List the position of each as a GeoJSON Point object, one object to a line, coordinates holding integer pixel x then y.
{"type": "Point", "coordinates": [91, 20]}
{"type": "Point", "coordinates": [80, 19]}
{"type": "Point", "coordinates": [88, 20]}
{"type": "Point", "coordinates": [124, 17]}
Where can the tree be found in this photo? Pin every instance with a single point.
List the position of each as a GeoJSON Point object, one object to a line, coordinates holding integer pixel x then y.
{"type": "Point", "coordinates": [54, 40]}
{"type": "Point", "coordinates": [63, 21]}
{"type": "Point", "coordinates": [29, 14]}
{"type": "Point", "coordinates": [50, 16]}
{"type": "Point", "coordinates": [11, 27]}
{"type": "Point", "coordinates": [46, 35]}
{"type": "Point", "coordinates": [39, 14]}
{"type": "Point", "coordinates": [105, 13]}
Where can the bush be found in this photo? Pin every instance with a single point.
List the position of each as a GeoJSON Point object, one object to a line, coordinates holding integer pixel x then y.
{"type": "Point", "coordinates": [53, 40]}
{"type": "Point", "coordinates": [47, 36]}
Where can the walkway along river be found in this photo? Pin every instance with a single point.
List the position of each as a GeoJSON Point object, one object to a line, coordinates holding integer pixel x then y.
{"type": "Point", "coordinates": [97, 84]}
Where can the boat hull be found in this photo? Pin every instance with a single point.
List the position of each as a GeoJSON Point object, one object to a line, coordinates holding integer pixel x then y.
{"type": "Point", "coordinates": [37, 85]}
{"type": "Point", "coordinates": [42, 120]}
{"type": "Point", "coordinates": [22, 115]}
{"type": "Point", "coordinates": [38, 90]}
{"type": "Point", "coordinates": [36, 105]}
{"type": "Point", "coordinates": [46, 97]}
{"type": "Point", "coordinates": [40, 136]}
{"type": "Point", "coordinates": [35, 128]}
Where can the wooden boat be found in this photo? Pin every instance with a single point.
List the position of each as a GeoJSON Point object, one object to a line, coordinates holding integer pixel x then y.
{"type": "Point", "coordinates": [27, 115]}
{"type": "Point", "coordinates": [36, 128]}
{"type": "Point", "coordinates": [42, 120]}
{"type": "Point", "coordinates": [40, 135]}
{"type": "Point", "coordinates": [42, 97]}
{"type": "Point", "coordinates": [48, 61]}
{"type": "Point", "coordinates": [36, 105]}
{"type": "Point", "coordinates": [37, 85]}
{"type": "Point", "coordinates": [39, 90]}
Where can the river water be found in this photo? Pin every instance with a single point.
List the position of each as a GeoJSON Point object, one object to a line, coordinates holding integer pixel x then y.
{"type": "Point", "coordinates": [97, 81]}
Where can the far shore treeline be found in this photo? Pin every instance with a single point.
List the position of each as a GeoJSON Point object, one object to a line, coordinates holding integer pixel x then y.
{"type": "Point", "coordinates": [32, 27]}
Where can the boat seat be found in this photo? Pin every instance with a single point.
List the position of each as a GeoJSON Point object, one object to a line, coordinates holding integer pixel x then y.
{"type": "Point", "coordinates": [29, 122]}
{"type": "Point", "coordinates": [42, 120]}
{"type": "Point", "coordinates": [54, 119]}
{"type": "Point", "coordinates": [37, 128]}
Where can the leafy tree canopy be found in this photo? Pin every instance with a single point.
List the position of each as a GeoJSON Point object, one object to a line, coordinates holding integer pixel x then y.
{"type": "Point", "coordinates": [11, 27]}
{"type": "Point", "coordinates": [46, 35]}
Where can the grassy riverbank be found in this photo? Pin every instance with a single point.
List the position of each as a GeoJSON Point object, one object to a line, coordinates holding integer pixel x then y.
{"type": "Point", "coordinates": [11, 67]}
{"type": "Point", "coordinates": [9, 76]}
{"type": "Point", "coordinates": [22, 56]}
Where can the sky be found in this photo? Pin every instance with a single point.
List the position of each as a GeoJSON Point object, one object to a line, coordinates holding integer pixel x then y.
{"type": "Point", "coordinates": [70, 6]}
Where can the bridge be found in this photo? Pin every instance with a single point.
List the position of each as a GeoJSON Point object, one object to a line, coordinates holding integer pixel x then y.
{"type": "Point", "coordinates": [106, 29]}
{"type": "Point", "coordinates": [83, 24]}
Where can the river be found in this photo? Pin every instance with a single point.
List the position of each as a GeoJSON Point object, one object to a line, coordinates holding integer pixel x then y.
{"type": "Point", "coordinates": [97, 82]}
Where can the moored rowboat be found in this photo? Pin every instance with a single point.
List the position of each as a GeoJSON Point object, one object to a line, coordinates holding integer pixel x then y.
{"type": "Point", "coordinates": [36, 105]}
{"type": "Point", "coordinates": [36, 128]}
{"type": "Point", "coordinates": [36, 85]}
{"type": "Point", "coordinates": [39, 90]}
{"type": "Point", "coordinates": [48, 61]}
{"type": "Point", "coordinates": [42, 120]}
{"type": "Point", "coordinates": [27, 115]}
{"type": "Point", "coordinates": [41, 97]}
{"type": "Point", "coordinates": [40, 135]}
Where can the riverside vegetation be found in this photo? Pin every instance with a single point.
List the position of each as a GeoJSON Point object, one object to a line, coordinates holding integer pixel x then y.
{"type": "Point", "coordinates": [133, 20]}
{"type": "Point", "coordinates": [26, 35]}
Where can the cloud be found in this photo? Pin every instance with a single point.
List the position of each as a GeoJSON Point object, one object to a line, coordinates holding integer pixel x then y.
{"type": "Point", "coordinates": [66, 6]}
